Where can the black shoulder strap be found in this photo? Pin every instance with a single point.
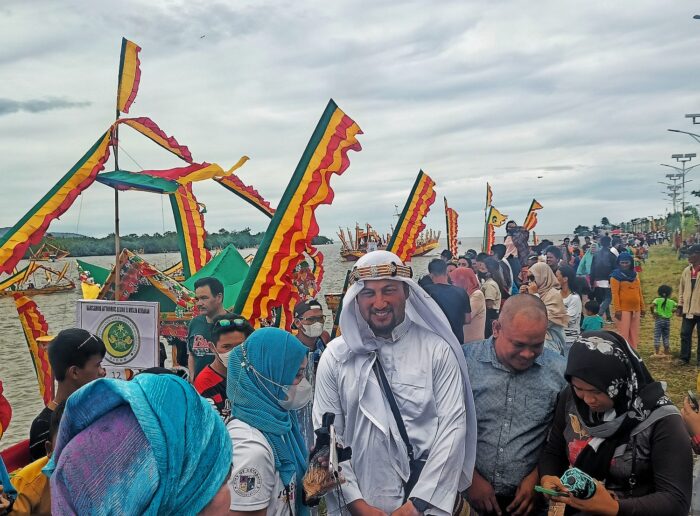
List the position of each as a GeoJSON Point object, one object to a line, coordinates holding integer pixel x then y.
{"type": "Point", "coordinates": [386, 389]}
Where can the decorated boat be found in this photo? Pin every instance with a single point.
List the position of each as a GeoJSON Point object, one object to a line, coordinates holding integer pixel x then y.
{"type": "Point", "coordinates": [35, 279]}
{"type": "Point", "coordinates": [364, 240]}
{"type": "Point", "coordinates": [426, 242]}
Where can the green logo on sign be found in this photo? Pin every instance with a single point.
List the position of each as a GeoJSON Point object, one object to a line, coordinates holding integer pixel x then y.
{"type": "Point", "coordinates": [121, 339]}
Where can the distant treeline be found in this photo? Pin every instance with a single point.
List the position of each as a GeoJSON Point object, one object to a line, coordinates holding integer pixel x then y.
{"type": "Point", "coordinates": [156, 243]}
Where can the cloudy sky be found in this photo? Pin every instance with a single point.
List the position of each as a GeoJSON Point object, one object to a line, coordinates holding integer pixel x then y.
{"type": "Point", "coordinates": [580, 93]}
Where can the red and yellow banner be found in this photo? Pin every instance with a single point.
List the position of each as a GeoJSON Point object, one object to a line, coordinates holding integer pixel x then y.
{"type": "Point", "coordinates": [32, 227]}
{"type": "Point", "coordinates": [249, 194]}
{"type": "Point", "coordinates": [189, 221]}
{"type": "Point", "coordinates": [150, 129]}
{"type": "Point", "coordinates": [531, 218]}
{"type": "Point", "coordinates": [490, 238]}
{"type": "Point", "coordinates": [34, 326]}
{"type": "Point", "coordinates": [129, 75]}
{"type": "Point", "coordinates": [410, 224]}
{"type": "Point", "coordinates": [489, 195]}
{"type": "Point", "coordinates": [451, 217]}
{"type": "Point", "coordinates": [293, 226]}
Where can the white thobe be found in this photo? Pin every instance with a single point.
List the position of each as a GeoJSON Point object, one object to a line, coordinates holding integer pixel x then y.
{"type": "Point", "coordinates": [427, 383]}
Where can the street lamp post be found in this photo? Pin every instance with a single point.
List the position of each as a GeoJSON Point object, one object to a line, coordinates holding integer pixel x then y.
{"type": "Point", "coordinates": [681, 172]}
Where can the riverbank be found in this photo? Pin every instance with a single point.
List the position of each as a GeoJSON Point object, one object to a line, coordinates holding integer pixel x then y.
{"type": "Point", "coordinates": [664, 268]}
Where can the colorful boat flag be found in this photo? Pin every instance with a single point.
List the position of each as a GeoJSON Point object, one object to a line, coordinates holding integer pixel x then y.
{"type": "Point", "coordinates": [189, 221]}
{"type": "Point", "coordinates": [490, 238]}
{"type": "Point", "coordinates": [451, 217]}
{"type": "Point", "coordinates": [34, 326]}
{"type": "Point", "coordinates": [410, 224]}
{"type": "Point", "coordinates": [32, 227]}
{"type": "Point", "coordinates": [293, 226]}
{"type": "Point", "coordinates": [129, 75]}
{"type": "Point", "coordinates": [531, 218]}
{"type": "Point", "coordinates": [195, 172]}
{"type": "Point", "coordinates": [496, 218]}
{"type": "Point", "coordinates": [489, 195]}
{"type": "Point", "coordinates": [249, 194]}
{"type": "Point", "coordinates": [150, 129]}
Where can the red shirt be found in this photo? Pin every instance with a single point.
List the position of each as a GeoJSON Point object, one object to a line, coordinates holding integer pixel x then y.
{"type": "Point", "coordinates": [211, 385]}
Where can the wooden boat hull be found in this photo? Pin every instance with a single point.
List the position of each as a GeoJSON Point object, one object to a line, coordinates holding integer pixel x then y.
{"type": "Point", "coordinates": [351, 255]}
{"type": "Point", "coordinates": [38, 291]}
{"type": "Point", "coordinates": [425, 248]}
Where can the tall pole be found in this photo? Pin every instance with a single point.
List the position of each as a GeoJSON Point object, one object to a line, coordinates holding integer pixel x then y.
{"type": "Point", "coordinates": [117, 245]}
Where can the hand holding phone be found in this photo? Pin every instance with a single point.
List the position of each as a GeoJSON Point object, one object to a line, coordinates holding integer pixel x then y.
{"type": "Point", "coordinates": [693, 401]}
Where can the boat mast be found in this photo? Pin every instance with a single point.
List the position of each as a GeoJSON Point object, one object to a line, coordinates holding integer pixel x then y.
{"type": "Point", "coordinates": [116, 208]}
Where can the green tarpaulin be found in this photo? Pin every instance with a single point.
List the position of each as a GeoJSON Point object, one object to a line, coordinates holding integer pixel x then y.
{"type": "Point", "coordinates": [229, 268]}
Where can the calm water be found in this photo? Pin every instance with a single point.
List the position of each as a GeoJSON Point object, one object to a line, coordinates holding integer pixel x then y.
{"type": "Point", "coordinates": [16, 370]}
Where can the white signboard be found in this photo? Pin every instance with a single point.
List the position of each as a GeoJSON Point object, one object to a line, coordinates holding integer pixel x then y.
{"type": "Point", "coordinates": [129, 330]}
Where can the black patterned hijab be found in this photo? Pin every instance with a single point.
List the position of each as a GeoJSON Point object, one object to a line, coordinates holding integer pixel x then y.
{"type": "Point", "coordinates": [606, 361]}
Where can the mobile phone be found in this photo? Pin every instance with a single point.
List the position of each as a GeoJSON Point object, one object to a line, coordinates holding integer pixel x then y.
{"type": "Point", "coordinates": [693, 401]}
{"type": "Point", "coordinates": [550, 492]}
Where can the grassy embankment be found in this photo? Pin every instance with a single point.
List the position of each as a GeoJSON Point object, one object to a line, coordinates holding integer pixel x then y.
{"type": "Point", "coordinates": [663, 267]}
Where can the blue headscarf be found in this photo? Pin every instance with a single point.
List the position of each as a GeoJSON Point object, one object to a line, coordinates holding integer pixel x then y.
{"type": "Point", "coordinates": [148, 446]}
{"type": "Point", "coordinates": [276, 355]}
{"type": "Point", "coordinates": [628, 275]}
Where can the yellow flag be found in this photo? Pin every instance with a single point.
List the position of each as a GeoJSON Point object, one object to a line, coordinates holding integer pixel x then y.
{"type": "Point", "coordinates": [496, 218]}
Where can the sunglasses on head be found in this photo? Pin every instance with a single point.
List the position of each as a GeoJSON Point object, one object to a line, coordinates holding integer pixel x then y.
{"type": "Point", "coordinates": [237, 323]}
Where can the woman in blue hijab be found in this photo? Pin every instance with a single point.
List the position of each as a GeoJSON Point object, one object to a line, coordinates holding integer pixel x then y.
{"type": "Point", "coordinates": [149, 446]}
{"type": "Point", "coordinates": [266, 384]}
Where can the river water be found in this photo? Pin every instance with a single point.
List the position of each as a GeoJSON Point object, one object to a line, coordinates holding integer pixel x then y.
{"type": "Point", "coordinates": [16, 370]}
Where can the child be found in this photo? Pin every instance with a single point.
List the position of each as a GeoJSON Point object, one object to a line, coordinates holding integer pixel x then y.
{"type": "Point", "coordinates": [592, 321]}
{"type": "Point", "coordinates": [33, 490]}
{"type": "Point", "coordinates": [662, 307]}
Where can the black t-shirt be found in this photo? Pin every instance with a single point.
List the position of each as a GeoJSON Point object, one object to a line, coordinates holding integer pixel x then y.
{"type": "Point", "coordinates": [39, 434]}
{"type": "Point", "coordinates": [454, 302]}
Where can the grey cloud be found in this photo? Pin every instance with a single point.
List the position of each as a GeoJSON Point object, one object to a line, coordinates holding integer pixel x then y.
{"type": "Point", "coordinates": [9, 106]}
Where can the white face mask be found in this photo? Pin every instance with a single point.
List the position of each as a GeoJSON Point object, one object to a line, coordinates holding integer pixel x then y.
{"type": "Point", "coordinates": [313, 330]}
{"type": "Point", "coordinates": [298, 396]}
{"type": "Point", "coordinates": [224, 357]}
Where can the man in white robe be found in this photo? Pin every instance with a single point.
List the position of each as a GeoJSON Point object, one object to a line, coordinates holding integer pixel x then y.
{"type": "Point", "coordinates": [386, 315]}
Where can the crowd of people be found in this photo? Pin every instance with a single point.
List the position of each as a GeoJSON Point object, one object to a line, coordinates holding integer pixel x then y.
{"type": "Point", "coordinates": [492, 385]}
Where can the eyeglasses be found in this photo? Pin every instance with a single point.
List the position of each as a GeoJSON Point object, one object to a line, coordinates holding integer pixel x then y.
{"type": "Point", "coordinates": [238, 323]}
{"type": "Point", "coordinates": [315, 319]}
{"type": "Point", "coordinates": [87, 340]}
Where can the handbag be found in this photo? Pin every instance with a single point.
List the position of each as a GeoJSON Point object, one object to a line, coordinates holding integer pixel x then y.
{"type": "Point", "coordinates": [415, 465]}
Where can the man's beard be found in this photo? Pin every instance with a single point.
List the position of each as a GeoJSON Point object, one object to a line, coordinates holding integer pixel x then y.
{"type": "Point", "coordinates": [482, 275]}
{"type": "Point", "coordinates": [385, 329]}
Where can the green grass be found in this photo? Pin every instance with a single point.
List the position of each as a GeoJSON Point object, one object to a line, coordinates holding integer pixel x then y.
{"type": "Point", "coordinates": [663, 267]}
